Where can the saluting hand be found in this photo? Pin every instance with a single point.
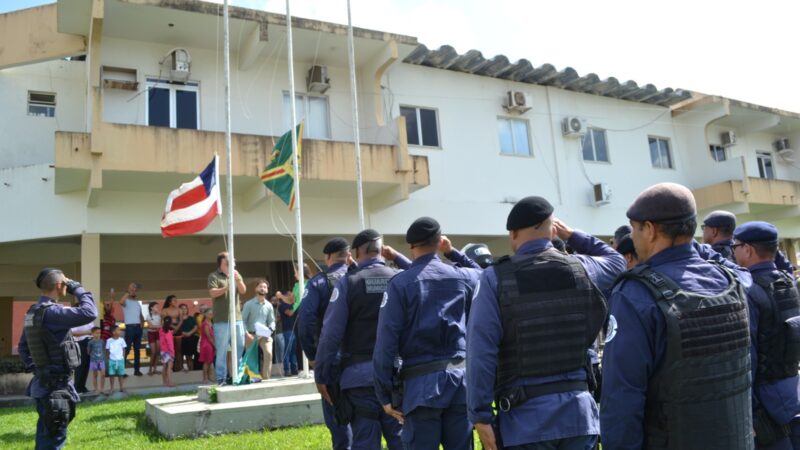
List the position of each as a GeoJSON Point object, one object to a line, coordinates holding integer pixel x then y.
{"type": "Point", "coordinates": [445, 246]}
{"type": "Point", "coordinates": [486, 435]}
{"type": "Point", "coordinates": [388, 253]}
{"type": "Point", "coordinates": [562, 230]}
{"type": "Point", "coordinates": [387, 408]}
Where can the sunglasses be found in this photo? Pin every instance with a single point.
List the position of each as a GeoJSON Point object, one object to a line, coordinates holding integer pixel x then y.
{"type": "Point", "coordinates": [734, 246]}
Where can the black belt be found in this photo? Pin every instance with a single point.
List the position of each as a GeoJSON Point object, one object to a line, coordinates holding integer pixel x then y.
{"type": "Point", "coordinates": [520, 394]}
{"type": "Point", "coordinates": [349, 360]}
{"type": "Point", "coordinates": [407, 373]}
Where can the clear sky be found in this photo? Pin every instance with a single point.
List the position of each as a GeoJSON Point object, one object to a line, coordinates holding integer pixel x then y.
{"type": "Point", "coordinates": [739, 49]}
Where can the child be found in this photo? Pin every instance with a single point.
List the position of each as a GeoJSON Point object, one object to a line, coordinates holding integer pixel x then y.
{"type": "Point", "coordinates": [116, 359]}
{"type": "Point", "coordinates": [165, 335]}
{"type": "Point", "coordinates": [152, 337]}
{"type": "Point", "coordinates": [97, 361]}
{"type": "Point", "coordinates": [207, 350]}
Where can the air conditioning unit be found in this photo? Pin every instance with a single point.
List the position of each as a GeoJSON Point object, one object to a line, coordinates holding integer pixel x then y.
{"type": "Point", "coordinates": [573, 126]}
{"type": "Point", "coordinates": [728, 138]}
{"type": "Point", "coordinates": [179, 64]}
{"type": "Point", "coordinates": [782, 144]}
{"type": "Point", "coordinates": [517, 102]}
{"type": "Point", "coordinates": [602, 194]}
{"type": "Point", "coordinates": [318, 80]}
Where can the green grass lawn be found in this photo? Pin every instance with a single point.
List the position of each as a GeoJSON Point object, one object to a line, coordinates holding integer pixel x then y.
{"type": "Point", "coordinates": [122, 424]}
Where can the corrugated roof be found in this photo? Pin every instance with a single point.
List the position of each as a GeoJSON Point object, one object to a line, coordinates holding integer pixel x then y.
{"type": "Point", "coordinates": [523, 71]}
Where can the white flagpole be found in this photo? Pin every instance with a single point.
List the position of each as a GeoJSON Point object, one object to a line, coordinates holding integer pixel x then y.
{"type": "Point", "coordinates": [231, 259]}
{"type": "Point", "coordinates": [296, 169]}
{"type": "Point", "coordinates": [356, 130]}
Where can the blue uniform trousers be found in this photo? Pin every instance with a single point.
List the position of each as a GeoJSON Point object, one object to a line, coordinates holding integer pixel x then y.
{"type": "Point", "coordinates": [341, 436]}
{"type": "Point", "coordinates": [45, 440]}
{"type": "Point", "coordinates": [425, 428]}
{"type": "Point", "coordinates": [573, 443]}
{"type": "Point", "coordinates": [367, 431]}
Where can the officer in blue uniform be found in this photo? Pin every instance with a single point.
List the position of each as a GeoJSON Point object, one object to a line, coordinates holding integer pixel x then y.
{"type": "Point", "coordinates": [422, 321]}
{"type": "Point", "coordinates": [350, 327]}
{"type": "Point", "coordinates": [718, 229]}
{"type": "Point", "coordinates": [48, 349]}
{"type": "Point", "coordinates": [669, 379]}
{"type": "Point", "coordinates": [619, 233]}
{"type": "Point", "coordinates": [531, 322]}
{"type": "Point", "coordinates": [774, 338]}
{"type": "Point", "coordinates": [626, 249]}
{"type": "Point", "coordinates": [479, 253]}
{"type": "Point", "coordinates": [310, 315]}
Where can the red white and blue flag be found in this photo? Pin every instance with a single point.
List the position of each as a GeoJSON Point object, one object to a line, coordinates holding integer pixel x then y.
{"type": "Point", "coordinates": [191, 207]}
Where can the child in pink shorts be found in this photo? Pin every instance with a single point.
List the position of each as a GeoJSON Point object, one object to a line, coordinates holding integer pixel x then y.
{"type": "Point", "coordinates": [167, 342]}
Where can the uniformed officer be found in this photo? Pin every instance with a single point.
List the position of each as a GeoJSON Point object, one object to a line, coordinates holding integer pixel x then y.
{"type": "Point", "coordinates": [626, 249]}
{"type": "Point", "coordinates": [350, 327]}
{"type": "Point", "coordinates": [619, 233]}
{"type": "Point", "coordinates": [775, 338]}
{"type": "Point", "coordinates": [534, 317]}
{"type": "Point", "coordinates": [479, 253]}
{"type": "Point", "coordinates": [718, 229]}
{"type": "Point", "coordinates": [47, 348]}
{"type": "Point", "coordinates": [676, 372]}
{"type": "Point", "coordinates": [422, 321]}
{"type": "Point", "coordinates": [310, 315]}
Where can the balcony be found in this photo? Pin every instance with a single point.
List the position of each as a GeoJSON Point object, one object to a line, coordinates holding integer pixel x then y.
{"type": "Point", "coordinates": [780, 198]}
{"type": "Point", "coordinates": [154, 159]}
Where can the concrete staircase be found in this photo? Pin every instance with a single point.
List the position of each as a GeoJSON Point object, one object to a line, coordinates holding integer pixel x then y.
{"type": "Point", "coordinates": [269, 404]}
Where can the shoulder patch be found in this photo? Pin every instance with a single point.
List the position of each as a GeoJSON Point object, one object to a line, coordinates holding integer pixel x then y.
{"type": "Point", "coordinates": [334, 295]}
{"type": "Point", "coordinates": [305, 292]}
{"type": "Point", "coordinates": [385, 299]}
{"type": "Point", "coordinates": [612, 329]}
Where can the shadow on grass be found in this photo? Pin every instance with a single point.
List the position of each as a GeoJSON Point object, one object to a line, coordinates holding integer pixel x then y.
{"type": "Point", "coordinates": [17, 437]}
{"type": "Point", "coordinates": [113, 416]}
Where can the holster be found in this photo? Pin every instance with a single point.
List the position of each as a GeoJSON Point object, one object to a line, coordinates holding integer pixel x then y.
{"type": "Point", "coordinates": [59, 409]}
{"type": "Point", "coordinates": [343, 410]}
{"type": "Point", "coordinates": [768, 432]}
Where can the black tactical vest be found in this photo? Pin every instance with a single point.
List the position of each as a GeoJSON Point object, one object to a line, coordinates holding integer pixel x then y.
{"type": "Point", "coordinates": [551, 313]}
{"type": "Point", "coordinates": [332, 278]}
{"type": "Point", "coordinates": [778, 329]}
{"type": "Point", "coordinates": [699, 398]}
{"type": "Point", "coordinates": [724, 248]}
{"type": "Point", "coordinates": [50, 356]}
{"type": "Point", "coordinates": [365, 291]}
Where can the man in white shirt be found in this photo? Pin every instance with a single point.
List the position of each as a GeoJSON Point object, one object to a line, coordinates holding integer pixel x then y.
{"type": "Point", "coordinates": [132, 311]}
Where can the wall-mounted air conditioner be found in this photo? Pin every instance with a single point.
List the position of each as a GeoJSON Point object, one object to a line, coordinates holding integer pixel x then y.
{"type": "Point", "coordinates": [602, 194]}
{"type": "Point", "coordinates": [728, 138]}
{"type": "Point", "coordinates": [573, 126]}
{"type": "Point", "coordinates": [517, 102]}
{"type": "Point", "coordinates": [178, 63]}
{"type": "Point", "coordinates": [318, 80]}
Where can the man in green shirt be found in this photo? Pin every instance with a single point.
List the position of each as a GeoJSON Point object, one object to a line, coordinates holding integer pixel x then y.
{"type": "Point", "coordinates": [259, 310]}
{"type": "Point", "coordinates": [218, 291]}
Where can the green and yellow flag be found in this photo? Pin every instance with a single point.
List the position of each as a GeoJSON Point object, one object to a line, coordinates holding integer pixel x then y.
{"type": "Point", "coordinates": [278, 176]}
{"type": "Point", "coordinates": [250, 369]}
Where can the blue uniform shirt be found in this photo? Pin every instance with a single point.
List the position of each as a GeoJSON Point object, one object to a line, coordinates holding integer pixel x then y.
{"type": "Point", "coordinates": [315, 301]}
{"type": "Point", "coordinates": [636, 347]}
{"type": "Point", "coordinates": [779, 398]}
{"type": "Point", "coordinates": [423, 319]}
{"type": "Point", "coordinates": [333, 332]}
{"type": "Point", "coordinates": [59, 319]}
{"type": "Point", "coordinates": [548, 417]}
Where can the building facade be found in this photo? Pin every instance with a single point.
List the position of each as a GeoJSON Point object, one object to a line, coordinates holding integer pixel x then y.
{"type": "Point", "coordinates": [110, 104]}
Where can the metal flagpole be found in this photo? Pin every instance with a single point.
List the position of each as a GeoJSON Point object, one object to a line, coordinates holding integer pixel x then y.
{"type": "Point", "coordinates": [231, 259]}
{"type": "Point", "coordinates": [296, 171]}
{"type": "Point", "coordinates": [356, 130]}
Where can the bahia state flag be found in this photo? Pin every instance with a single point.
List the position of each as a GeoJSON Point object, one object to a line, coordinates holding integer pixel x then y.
{"type": "Point", "coordinates": [278, 176]}
{"type": "Point", "coordinates": [191, 207]}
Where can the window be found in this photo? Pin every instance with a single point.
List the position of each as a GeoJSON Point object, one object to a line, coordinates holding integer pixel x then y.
{"type": "Point", "coordinates": [660, 155]}
{"type": "Point", "coordinates": [422, 126]}
{"type": "Point", "coordinates": [595, 147]}
{"type": "Point", "coordinates": [718, 153]}
{"type": "Point", "coordinates": [173, 105]}
{"type": "Point", "coordinates": [765, 169]}
{"type": "Point", "coordinates": [311, 108]}
{"type": "Point", "coordinates": [41, 104]}
{"type": "Point", "coordinates": [513, 136]}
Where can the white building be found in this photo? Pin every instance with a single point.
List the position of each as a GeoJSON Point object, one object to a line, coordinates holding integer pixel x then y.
{"type": "Point", "coordinates": [96, 130]}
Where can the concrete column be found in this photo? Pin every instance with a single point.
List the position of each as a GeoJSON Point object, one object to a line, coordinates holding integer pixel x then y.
{"type": "Point", "coordinates": [6, 324]}
{"type": "Point", "coordinates": [791, 250]}
{"type": "Point", "coordinates": [90, 265]}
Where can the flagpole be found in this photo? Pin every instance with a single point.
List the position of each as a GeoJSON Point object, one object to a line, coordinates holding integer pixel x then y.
{"type": "Point", "coordinates": [356, 130]}
{"type": "Point", "coordinates": [231, 258]}
{"type": "Point", "coordinates": [296, 171]}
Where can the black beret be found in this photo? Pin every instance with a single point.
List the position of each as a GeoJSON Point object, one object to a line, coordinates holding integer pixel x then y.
{"type": "Point", "coordinates": [528, 212]}
{"type": "Point", "coordinates": [422, 229]}
{"type": "Point", "coordinates": [718, 219]}
{"type": "Point", "coordinates": [365, 236]}
{"type": "Point", "coordinates": [621, 232]}
{"type": "Point", "coordinates": [756, 232]}
{"type": "Point", "coordinates": [664, 203]}
{"type": "Point", "coordinates": [479, 253]}
{"type": "Point", "coordinates": [43, 274]}
{"type": "Point", "coordinates": [625, 245]}
{"type": "Point", "coordinates": [335, 245]}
